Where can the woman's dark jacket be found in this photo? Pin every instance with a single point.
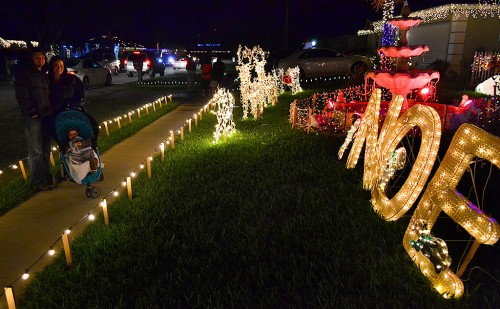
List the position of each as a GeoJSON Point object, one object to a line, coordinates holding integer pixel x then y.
{"type": "Point", "coordinates": [69, 91]}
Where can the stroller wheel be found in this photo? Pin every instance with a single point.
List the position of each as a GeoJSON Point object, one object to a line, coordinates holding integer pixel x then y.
{"type": "Point", "coordinates": [88, 191]}
{"type": "Point", "coordinates": [95, 192]}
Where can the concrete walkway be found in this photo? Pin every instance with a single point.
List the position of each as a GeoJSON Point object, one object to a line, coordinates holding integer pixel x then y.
{"type": "Point", "coordinates": [28, 231]}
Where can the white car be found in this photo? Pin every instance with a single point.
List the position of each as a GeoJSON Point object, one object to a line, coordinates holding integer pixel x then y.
{"type": "Point", "coordinates": [179, 64]}
{"type": "Point", "coordinates": [89, 71]}
{"type": "Point", "coordinates": [323, 62]}
{"type": "Point", "coordinates": [150, 64]}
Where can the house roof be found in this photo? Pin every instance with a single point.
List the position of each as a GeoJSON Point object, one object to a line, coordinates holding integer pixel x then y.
{"type": "Point", "coordinates": [443, 11]}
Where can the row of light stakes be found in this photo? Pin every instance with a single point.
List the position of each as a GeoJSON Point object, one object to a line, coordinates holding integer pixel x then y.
{"type": "Point", "coordinates": [160, 101]}
{"type": "Point", "coordinates": [127, 183]}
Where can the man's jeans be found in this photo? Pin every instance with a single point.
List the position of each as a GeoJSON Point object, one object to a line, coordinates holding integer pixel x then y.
{"type": "Point", "coordinates": [38, 151]}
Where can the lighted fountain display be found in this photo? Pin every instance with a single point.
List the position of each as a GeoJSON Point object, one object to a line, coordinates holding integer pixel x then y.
{"type": "Point", "coordinates": [402, 80]}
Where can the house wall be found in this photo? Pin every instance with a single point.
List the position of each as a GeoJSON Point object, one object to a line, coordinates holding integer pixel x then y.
{"type": "Point", "coordinates": [482, 34]}
{"type": "Point", "coordinates": [436, 36]}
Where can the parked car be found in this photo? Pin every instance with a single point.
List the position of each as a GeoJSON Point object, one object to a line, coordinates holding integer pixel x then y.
{"type": "Point", "coordinates": [150, 64]}
{"type": "Point", "coordinates": [109, 61]}
{"type": "Point", "coordinates": [179, 63]}
{"type": "Point", "coordinates": [89, 71]}
{"type": "Point", "coordinates": [123, 60]}
{"type": "Point", "coordinates": [321, 62]}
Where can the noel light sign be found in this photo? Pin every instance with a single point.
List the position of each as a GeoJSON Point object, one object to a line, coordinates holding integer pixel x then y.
{"type": "Point", "coordinates": [469, 142]}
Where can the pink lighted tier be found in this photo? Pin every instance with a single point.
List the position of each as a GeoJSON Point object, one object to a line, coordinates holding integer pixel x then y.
{"type": "Point", "coordinates": [402, 83]}
{"type": "Point", "coordinates": [405, 23]}
{"type": "Point", "coordinates": [403, 51]}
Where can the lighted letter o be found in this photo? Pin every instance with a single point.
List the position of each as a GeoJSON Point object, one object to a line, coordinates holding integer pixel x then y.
{"type": "Point", "coordinates": [427, 119]}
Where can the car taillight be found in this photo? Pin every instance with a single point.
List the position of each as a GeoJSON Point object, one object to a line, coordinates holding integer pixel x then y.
{"type": "Point", "coordinates": [148, 62]}
{"type": "Point", "coordinates": [125, 61]}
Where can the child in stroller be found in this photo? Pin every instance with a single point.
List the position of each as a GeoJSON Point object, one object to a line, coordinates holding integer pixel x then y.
{"type": "Point", "coordinates": [76, 133]}
{"type": "Point", "coordinates": [79, 151]}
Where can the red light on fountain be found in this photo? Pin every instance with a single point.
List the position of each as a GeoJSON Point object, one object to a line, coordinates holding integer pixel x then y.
{"type": "Point", "coordinates": [402, 80]}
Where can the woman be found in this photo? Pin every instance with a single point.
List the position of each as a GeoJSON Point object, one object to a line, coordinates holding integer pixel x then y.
{"type": "Point", "coordinates": [66, 91]}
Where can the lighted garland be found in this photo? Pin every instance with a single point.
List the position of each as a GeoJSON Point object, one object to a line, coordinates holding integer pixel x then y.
{"type": "Point", "coordinates": [9, 43]}
{"type": "Point", "coordinates": [442, 12]}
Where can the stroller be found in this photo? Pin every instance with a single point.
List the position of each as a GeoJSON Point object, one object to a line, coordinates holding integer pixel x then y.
{"type": "Point", "coordinates": [88, 129]}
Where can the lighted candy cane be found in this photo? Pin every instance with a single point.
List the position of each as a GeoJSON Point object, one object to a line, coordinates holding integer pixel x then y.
{"type": "Point", "coordinates": [441, 195]}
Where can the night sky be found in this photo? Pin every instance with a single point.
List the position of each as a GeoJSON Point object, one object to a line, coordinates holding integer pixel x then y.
{"type": "Point", "coordinates": [186, 22]}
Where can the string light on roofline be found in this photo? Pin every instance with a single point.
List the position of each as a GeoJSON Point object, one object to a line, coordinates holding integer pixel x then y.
{"type": "Point", "coordinates": [442, 12]}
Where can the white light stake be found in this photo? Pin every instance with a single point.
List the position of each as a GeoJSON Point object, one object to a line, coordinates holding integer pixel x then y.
{"type": "Point", "coordinates": [162, 149]}
{"type": "Point", "coordinates": [69, 259]}
{"type": "Point", "coordinates": [139, 112]}
{"type": "Point", "coordinates": [172, 139]}
{"type": "Point", "coordinates": [171, 99]}
{"type": "Point", "coordinates": [182, 133]}
{"type": "Point", "coordinates": [201, 115]}
{"type": "Point", "coordinates": [104, 205]}
{"type": "Point", "coordinates": [106, 127]}
{"type": "Point", "coordinates": [23, 171]}
{"type": "Point", "coordinates": [119, 123]}
{"type": "Point", "coordinates": [130, 117]}
{"type": "Point", "coordinates": [154, 107]}
{"type": "Point", "coordinates": [159, 101]}
{"type": "Point", "coordinates": [9, 294]}
{"type": "Point", "coordinates": [189, 122]}
{"type": "Point", "coordinates": [147, 110]}
{"type": "Point", "coordinates": [129, 187]}
{"type": "Point", "coordinates": [52, 162]}
{"type": "Point", "coordinates": [195, 120]}
{"type": "Point", "coordinates": [148, 166]}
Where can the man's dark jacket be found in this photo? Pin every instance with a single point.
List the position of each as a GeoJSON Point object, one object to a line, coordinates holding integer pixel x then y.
{"type": "Point", "coordinates": [32, 92]}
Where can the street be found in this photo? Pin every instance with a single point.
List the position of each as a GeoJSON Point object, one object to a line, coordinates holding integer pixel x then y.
{"type": "Point", "coordinates": [8, 100]}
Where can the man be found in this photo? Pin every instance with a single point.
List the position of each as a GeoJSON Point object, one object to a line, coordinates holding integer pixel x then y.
{"type": "Point", "coordinates": [32, 94]}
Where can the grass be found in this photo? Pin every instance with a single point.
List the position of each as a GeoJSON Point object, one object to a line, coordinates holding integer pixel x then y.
{"type": "Point", "coordinates": [267, 218]}
{"type": "Point", "coordinates": [14, 190]}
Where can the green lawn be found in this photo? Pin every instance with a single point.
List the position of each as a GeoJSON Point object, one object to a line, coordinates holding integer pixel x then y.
{"type": "Point", "coordinates": [267, 218]}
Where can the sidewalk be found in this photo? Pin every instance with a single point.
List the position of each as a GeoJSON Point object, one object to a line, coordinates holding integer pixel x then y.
{"type": "Point", "coordinates": [27, 231]}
